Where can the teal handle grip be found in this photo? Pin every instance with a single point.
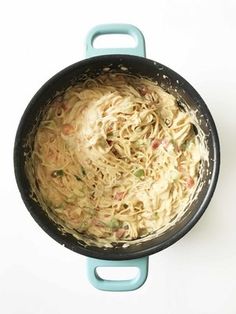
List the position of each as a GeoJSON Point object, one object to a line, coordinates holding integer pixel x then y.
{"type": "Point", "coordinates": [103, 29]}
{"type": "Point", "coordinates": [117, 285]}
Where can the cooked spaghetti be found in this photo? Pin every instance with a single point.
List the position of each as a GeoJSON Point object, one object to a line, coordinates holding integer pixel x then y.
{"type": "Point", "coordinates": [115, 159]}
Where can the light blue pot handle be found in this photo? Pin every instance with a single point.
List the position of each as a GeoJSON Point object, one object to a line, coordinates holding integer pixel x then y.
{"type": "Point", "coordinates": [117, 285]}
{"type": "Point", "coordinates": [103, 29]}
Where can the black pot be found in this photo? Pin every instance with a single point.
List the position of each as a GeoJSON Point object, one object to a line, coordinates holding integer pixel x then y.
{"type": "Point", "coordinates": [170, 81]}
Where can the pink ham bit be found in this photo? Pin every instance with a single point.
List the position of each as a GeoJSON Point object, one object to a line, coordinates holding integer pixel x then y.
{"type": "Point", "coordinates": [190, 182]}
{"type": "Point", "coordinates": [155, 143]}
{"type": "Point", "coordinates": [119, 233]}
{"type": "Point", "coordinates": [119, 196]}
{"type": "Point", "coordinates": [67, 129]}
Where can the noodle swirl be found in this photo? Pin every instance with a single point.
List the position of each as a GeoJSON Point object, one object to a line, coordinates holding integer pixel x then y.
{"type": "Point", "coordinates": [115, 159]}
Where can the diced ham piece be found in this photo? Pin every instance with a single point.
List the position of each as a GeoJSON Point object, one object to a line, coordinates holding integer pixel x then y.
{"type": "Point", "coordinates": [119, 196]}
{"type": "Point", "coordinates": [155, 143]}
{"type": "Point", "coordinates": [67, 129]}
{"type": "Point", "coordinates": [190, 182]}
{"type": "Point", "coordinates": [119, 233]}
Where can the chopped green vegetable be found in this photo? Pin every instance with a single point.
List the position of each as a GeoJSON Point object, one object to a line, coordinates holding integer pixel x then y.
{"type": "Point", "coordinates": [155, 215]}
{"type": "Point", "coordinates": [83, 171]}
{"type": "Point", "coordinates": [109, 134]}
{"type": "Point", "coordinates": [57, 173]}
{"type": "Point", "coordinates": [139, 173]}
{"type": "Point", "coordinates": [185, 145]}
{"type": "Point", "coordinates": [113, 223]}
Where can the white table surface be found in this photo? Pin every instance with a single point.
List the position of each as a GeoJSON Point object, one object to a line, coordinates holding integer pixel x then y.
{"type": "Point", "coordinates": [197, 39]}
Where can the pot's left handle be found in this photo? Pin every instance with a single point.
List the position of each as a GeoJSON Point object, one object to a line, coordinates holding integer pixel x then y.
{"type": "Point", "coordinates": [104, 29]}
{"type": "Point", "coordinates": [117, 285]}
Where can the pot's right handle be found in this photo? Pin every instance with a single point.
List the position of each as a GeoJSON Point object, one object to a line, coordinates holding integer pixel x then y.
{"type": "Point", "coordinates": [117, 285]}
{"type": "Point", "coordinates": [103, 29]}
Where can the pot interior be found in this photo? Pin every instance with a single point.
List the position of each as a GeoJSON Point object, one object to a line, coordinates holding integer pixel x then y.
{"type": "Point", "coordinates": [169, 81]}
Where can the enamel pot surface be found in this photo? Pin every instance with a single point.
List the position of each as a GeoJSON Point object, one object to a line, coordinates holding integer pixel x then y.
{"type": "Point", "coordinates": [132, 61]}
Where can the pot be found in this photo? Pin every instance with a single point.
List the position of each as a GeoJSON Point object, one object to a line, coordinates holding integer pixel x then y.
{"type": "Point", "coordinates": [134, 62]}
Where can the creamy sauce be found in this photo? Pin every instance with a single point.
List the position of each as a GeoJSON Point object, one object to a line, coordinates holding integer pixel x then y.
{"type": "Point", "coordinates": [116, 160]}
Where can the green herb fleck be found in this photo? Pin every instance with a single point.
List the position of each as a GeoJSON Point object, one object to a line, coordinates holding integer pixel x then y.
{"type": "Point", "coordinates": [139, 173]}
{"type": "Point", "coordinates": [155, 215]}
{"type": "Point", "coordinates": [77, 178]}
{"type": "Point", "coordinates": [109, 134]}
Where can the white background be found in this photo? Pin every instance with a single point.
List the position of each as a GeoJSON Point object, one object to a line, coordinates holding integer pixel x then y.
{"type": "Point", "coordinates": [197, 39]}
